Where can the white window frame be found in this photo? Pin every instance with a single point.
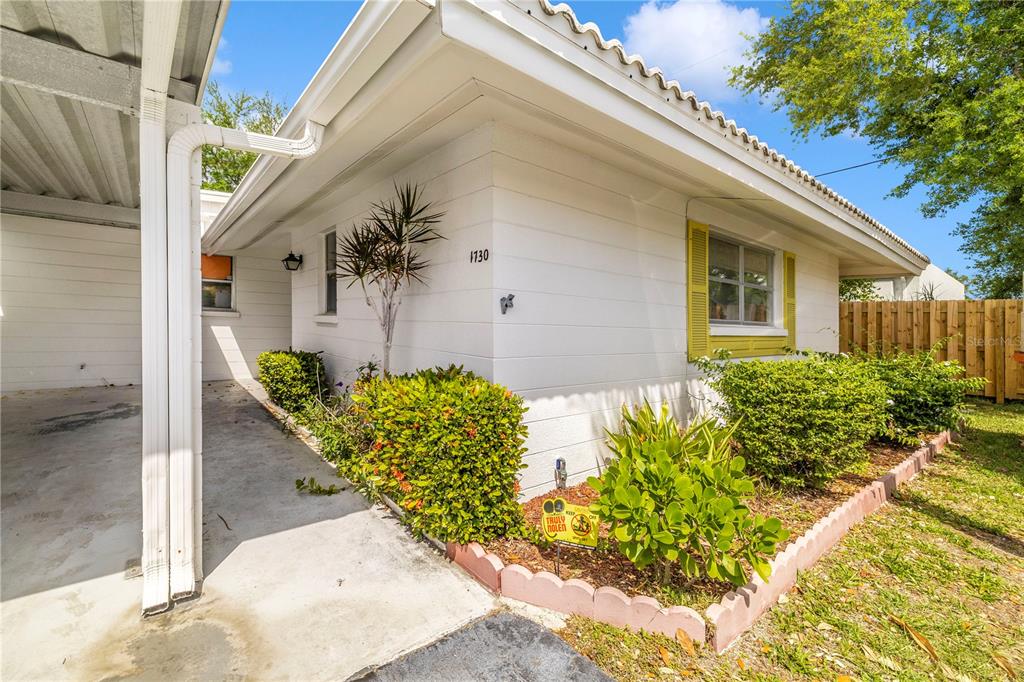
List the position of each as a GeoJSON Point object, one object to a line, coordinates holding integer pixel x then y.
{"type": "Point", "coordinates": [234, 277]}
{"type": "Point", "coordinates": [741, 326]}
{"type": "Point", "coordinates": [328, 269]}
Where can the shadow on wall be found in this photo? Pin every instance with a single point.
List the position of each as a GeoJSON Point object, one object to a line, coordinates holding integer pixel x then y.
{"type": "Point", "coordinates": [572, 426]}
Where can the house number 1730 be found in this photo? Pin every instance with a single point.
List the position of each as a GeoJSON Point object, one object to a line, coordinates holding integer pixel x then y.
{"type": "Point", "coordinates": [479, 255]}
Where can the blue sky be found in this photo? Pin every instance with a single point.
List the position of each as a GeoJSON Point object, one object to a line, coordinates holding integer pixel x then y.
{"type": "Point", "coordinates": [277, 47]}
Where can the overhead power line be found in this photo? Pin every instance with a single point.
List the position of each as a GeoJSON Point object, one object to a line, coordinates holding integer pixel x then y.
{"type": "Point", "coordinates": [859, 165]}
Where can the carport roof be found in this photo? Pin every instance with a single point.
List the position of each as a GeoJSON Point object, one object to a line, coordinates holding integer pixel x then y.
{"type": "Point", "coordinates": [69, 83]}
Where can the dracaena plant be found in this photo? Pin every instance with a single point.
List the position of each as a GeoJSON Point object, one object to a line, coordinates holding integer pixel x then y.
{"type": "Point", "coordinates": [383, 254]}
{"type": "Point", "coordinates": [677, 498]}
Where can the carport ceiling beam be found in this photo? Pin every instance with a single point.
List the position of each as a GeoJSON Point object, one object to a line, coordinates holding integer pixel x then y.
{"type": "Point", "coordinates": [58, 70]}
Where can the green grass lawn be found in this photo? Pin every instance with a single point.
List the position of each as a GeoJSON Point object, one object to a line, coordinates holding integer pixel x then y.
{"type": "Point", "coordinates": [940, 568]}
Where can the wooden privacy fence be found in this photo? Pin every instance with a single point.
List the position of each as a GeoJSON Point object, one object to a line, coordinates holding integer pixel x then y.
{"type": "Point", "coordinates": [984, 336]}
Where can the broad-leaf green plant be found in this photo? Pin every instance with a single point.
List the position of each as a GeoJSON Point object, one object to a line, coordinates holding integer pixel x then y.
{"type": "Point", "coordinates": [678, 498]}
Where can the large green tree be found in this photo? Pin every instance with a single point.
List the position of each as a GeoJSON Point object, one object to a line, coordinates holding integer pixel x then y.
{"type": "Point", "coordinates": [936, 86]}
{"type": "Point", "coordinates": [223, 168]}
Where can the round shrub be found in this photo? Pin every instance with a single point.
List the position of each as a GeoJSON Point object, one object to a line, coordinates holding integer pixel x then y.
{"type": "Point", "coordinates": [926, 394]}
{"type": "Point", "coordinates": [802, 421]}
{"type": "Point", "coordinates": [292, 377]}
{"type": "Point", "coordinates": [447, 446]}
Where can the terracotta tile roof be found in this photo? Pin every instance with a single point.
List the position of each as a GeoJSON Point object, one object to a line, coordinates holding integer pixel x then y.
{"type": "Point", "coordinates": [739, 136]}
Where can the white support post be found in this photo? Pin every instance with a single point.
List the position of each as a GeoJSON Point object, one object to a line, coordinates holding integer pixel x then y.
{"type": "Point", "coordinates": [159, 30]}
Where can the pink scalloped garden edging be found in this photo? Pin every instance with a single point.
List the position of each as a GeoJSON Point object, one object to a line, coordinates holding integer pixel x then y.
{"type": "Point", "coordinates": [579, 597]}
{"type": "Point", "coordinates": [725, 621]}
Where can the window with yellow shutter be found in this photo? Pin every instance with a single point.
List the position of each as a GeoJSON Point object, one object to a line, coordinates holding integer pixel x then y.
{"type": "Point", "coordinates": [738, 299]}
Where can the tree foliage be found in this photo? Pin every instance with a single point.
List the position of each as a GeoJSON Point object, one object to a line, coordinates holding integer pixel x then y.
{"type": "Point", "coordinates": [384, 254]}
{"type": "Point", "coordinates": [857, 289]}
{"type": "Point", "coordinates": [934, 85]}
{"type": "Point", "coordinates": [224, 168]}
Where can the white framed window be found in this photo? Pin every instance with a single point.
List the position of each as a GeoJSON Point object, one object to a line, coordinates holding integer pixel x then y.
{"type": "Point", "coordinates": [218, 282]}
{"type": "Point", "coordinates": [331, 272]}
{"type": "Point", "coordinates": [741, 283]}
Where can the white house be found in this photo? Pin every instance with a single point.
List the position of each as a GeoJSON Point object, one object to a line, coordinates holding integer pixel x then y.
{"type": "Point", "coordinates": [577, 179]}
{"type": "Point", "coordinates": [636, 227]}
{"type": "Point", "coordinates": [930, 283]}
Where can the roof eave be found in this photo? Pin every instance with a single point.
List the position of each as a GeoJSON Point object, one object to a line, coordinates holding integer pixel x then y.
{"type": "Point", "coordinates": [318, 102]}
{"type": "Point", "coordinates": [726, 135]}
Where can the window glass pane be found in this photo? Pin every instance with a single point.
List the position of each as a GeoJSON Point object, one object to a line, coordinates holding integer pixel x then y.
{"type": "Point", "coordinates": [757, 305]}
{"type": "Point", "coordinates": [725, 260]}
{"type": "Point", "coordinates": [724, 301]}
{"type": "Point", "coordinates": [217, 295]}
{"type": "Point", "coordinates": [216, 267]}
{"type": "Point", "coordinates": [757, 267]}
{"type": "Point", "coordinates": [332, 294]}
{"type": "Point", "coordinates": [331, 250]}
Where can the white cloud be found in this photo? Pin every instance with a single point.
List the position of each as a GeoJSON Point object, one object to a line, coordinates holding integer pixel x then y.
{"type": "Point", "coordinates": [221, 65]}
{"type": "Point", "coordinates": [694, 42]}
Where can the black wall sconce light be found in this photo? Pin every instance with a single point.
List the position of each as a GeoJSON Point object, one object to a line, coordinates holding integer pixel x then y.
{"type": "Point", "coordinates": [506, 302]}
{"type": "Point", "coordinates": [292, 262]}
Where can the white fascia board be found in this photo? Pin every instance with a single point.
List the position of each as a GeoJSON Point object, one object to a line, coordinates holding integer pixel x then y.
{"type": "Point", "coordinates": [218, 30]}
{"type": "Point", "coordinates": [504, 32]}
{"type": "Point", "coordinates": [374, 34]}
{"type": "Point", "coordinates": [38, 64]}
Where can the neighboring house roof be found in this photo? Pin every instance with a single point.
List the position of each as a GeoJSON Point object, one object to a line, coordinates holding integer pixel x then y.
{"type": "Point", "coordinates": [710, 117]}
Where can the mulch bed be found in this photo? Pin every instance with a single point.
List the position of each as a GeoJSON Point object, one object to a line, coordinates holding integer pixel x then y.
{"type": "Point", "coordinates": [797, 509]}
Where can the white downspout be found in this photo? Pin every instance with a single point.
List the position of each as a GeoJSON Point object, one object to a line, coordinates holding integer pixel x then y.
{"type": "Point", "coordinates": [160, 29]}
{"type": "Point", "coordinates": [184, 331]}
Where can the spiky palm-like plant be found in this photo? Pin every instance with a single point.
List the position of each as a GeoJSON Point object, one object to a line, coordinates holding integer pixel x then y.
{"type": "Point", "coordinates": [383, 253]}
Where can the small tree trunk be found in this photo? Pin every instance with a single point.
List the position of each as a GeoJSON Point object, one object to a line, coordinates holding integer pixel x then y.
{"type": "Point", "coordinates": [385, 363]}
{"type": "Point", "coordinates": [666, 572]}
{"type": "Point", "coordinates": [388, 322]}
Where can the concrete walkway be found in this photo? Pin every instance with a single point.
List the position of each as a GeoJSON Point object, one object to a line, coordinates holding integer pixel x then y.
{"type": "Point", "coordinates": [297, 587]}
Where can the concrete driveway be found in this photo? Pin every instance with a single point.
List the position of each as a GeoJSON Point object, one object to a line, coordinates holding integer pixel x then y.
{"type": "Point", "coordinates": [297, 587]}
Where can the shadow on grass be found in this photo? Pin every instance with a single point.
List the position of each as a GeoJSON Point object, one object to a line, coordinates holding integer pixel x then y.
{"type": "Point", "coordinates": [979, 530]}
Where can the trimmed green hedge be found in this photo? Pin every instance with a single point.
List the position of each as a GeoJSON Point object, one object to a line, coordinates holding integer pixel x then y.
{"type": "Point", "coordinates": [292, 377]}
{"type": "Point", "coordinates": [925, 394]}
{"type": "Point", "coordinates": [802, 421]}
{"type": "Point", "coordinates": [447, 446]}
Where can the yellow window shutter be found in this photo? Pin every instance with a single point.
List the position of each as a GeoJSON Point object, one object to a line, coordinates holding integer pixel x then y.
{"type": "Point", "coordinates": [789, 297]}
{"type": "Point", "coordinates": [697, 332]}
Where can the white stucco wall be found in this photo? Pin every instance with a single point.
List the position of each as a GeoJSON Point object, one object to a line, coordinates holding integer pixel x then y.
{"type": "Point", "coordinates": [71, 300]}
{"type": "Point", "coordinates": [597, 260]}
{"type": "Point", "coordinates": [932, 279]}
{"type": "Point", "coordinates": [262, 316]}
{"type": "Point", "coordinates": [446, 321]}
{"type": "Point", "coordinates": [71, 304]}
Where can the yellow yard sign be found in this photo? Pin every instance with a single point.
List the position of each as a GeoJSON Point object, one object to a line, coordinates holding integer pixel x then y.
{"type": "Point", "coordinates": [569, 524]}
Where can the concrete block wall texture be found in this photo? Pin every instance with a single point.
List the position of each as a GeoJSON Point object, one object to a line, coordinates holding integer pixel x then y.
{"type": "Point", "coordinates": [722, 623]}
{"type": "Point", "coordinates": [72, 307]}
{"type": "Point", "coordinates": [447, 319]}
{"type": "Point", "coordinates": [595, 256]}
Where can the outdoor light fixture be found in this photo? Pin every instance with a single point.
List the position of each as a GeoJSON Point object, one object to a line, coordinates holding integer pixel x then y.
{"type": "Point", "coordinates": [292, 262]}
{"type": "Point", "coordinates": [506, 302]}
